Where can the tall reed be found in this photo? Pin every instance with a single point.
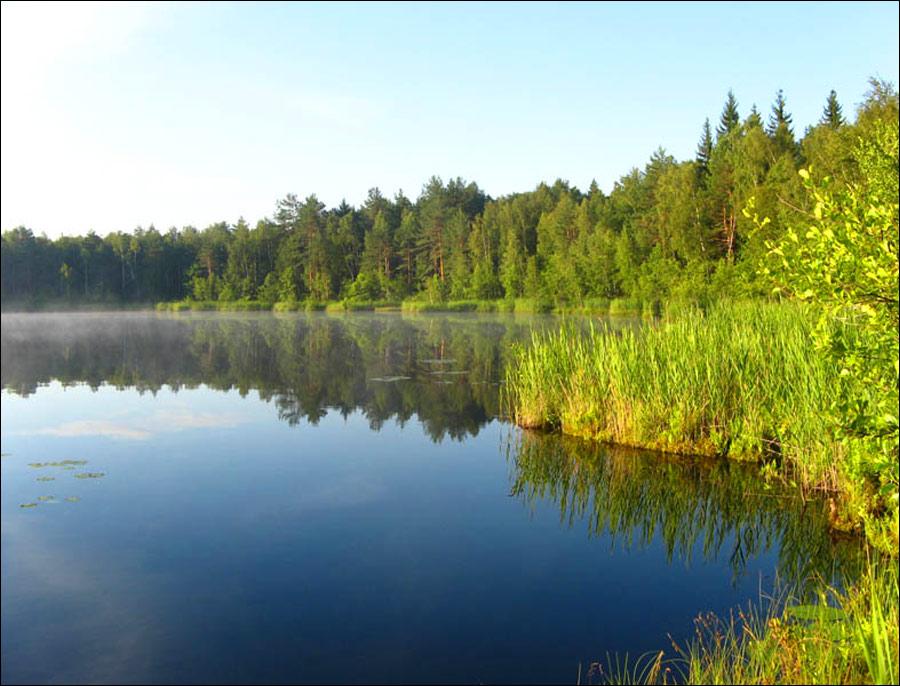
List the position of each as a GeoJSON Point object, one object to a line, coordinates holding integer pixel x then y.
{"type": "Point", "coordinates": [742, 381]}
{"type": "Point", "coordinates": [844, 638]}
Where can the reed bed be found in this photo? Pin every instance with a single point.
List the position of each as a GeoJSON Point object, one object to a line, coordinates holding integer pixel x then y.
{"type": "Point", "coordinates": [843, 638]}
{"type": "Point", "coordinates": [742, 381]}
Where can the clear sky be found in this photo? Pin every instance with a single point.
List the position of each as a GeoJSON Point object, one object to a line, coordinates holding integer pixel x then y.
{"type": "Point", "coordinates": [115, 116]}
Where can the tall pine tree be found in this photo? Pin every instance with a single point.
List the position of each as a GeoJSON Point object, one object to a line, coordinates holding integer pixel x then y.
{"type": "Point", "coordinates": [730, 118]}
{"type": "Point", "coordinates": [704, 150]}
{"type": "Point", "coordinates": [832, 115]}
{"type": "Point", "coordinates": [754, 120]}
{"type": "Point", "coordinates": [779, 128]}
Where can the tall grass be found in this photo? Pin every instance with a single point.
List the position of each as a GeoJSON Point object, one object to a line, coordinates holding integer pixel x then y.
{"type": "Point", "coordinates": [213, 306]}
{"type": "Point", "coordinates": [742, 382]}
{"type": "Point", "coordinates": [844, 638]}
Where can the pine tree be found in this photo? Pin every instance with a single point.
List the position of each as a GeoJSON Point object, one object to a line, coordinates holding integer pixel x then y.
{"type": "Point", "coordinates": [779, 115]}
{"type": "Point", "coordinates": [704, 150]}
{"type": "Point", "coordinates": [754, 120]}
{"type": "Point", "coordinates": [730, 118]}
{"type": "Point", "coordinates": [831, 114]}
{"type": "Point", "coordinates": [779, 128]}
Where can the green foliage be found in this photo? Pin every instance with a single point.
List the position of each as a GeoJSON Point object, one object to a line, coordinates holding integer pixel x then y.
{"type": "Point", "coordinates": [730, 119]}
{"type": "Point", "coordinates": [843, 258]}
{"type": "Point", "coordinates": [740, 381]}
{"type": "Point", "coordinates": [848, 637]}
{"type": "Point", "coordinates": [667, 231]}
{"type": "Point", "coordinates": [832, 113]}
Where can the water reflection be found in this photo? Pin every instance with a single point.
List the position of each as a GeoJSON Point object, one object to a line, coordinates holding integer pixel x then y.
{"type": "Point", "coordinates": [632, 497]}
{"type": "Point", "coordinates": [216, 544]}
{"type": "Point", "coordinates": [444, 370]}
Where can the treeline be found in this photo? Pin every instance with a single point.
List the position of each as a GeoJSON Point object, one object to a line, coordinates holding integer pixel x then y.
{"type": "Point", "coordinates": [672, 230]}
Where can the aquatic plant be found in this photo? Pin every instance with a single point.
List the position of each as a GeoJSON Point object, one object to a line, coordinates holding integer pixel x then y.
{"type": "Point", "coordinates": [741, 381]}
{"type": "Point", "coordinates": [846, 637]}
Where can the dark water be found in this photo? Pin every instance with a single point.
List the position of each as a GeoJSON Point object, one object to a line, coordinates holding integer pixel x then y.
{"type": "Point", "coordinates": [319, 499]}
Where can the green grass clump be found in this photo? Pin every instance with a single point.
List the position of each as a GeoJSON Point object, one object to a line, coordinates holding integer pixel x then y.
{"type": "Point", "coordinates": [287, 306]}
{"type": "Point", "coordinates": [742, 381]}
{"type": "Point", "coordinates": [625, 307]}
{"type": "Point", "coordinates": [842, 638]}
{"type": "Point", "coordinates": [243, 305]}
{"type": "Point", "coordinates": [449, 306]}
{"type": "Point", "coordinates": [353, 305]}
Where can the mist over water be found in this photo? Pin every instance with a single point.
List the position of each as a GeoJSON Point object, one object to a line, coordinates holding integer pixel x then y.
{"type": "Point", "coordinates": [305, 498]}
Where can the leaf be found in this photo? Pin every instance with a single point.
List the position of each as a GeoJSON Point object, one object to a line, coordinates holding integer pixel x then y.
{"type": "Point", "coordinates": [812, 613]}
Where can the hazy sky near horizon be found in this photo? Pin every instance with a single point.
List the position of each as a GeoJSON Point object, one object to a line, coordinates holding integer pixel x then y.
{"type": "Point", "coordinates": [115, 116]}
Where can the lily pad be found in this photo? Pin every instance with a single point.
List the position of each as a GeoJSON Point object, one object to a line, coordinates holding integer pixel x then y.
{"type": "Point", "coordinates": [90, 475]}
{"type": "Point", "coordinates": [65, 464]}
{"type": "Point", "coordinates": [28, 505]}
{"type": "Point", "coordinates": [46, 498]}
{"type": "Point", "coordinates": [72, 499]}
{"type": "Point", "coordinates": [46, 478]}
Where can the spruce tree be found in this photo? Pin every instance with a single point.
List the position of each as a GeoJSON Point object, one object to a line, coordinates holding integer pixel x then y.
{"type": "Point", "coordinates": [779, 116]}
{"type": "Point", "coordinates": [831, 114]}
{"type": "Point", "coordinates": [754, 120]}
{"type": "Point", "coordinates": [730, 118]}
{"type": "Point", "coordinates": [779, 128]}
{"type": "Point", "coordinates": [704, 149]}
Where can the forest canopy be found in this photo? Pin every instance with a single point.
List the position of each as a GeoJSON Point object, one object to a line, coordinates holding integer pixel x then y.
{"type": "Point", "coordinates": [669, 231]}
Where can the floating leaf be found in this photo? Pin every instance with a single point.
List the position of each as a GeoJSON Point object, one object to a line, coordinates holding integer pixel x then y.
{"type": "Point", "coordinates": [65, 464]}
{"type": "Point", "coordinates": [28, 505]}
{"type": "Point", "coordinates": [72, 499]}
{"type": "Point", "coordinates": [46, 478]}
{"type": "Point", "coordinates": [90, 475]}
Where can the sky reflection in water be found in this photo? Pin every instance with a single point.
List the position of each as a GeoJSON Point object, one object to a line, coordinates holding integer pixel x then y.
{"type": "Point", "coordinates": [308, 498]}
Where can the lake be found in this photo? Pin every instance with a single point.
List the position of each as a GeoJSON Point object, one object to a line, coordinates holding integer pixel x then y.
{"type": "Point", "coordinates": [313, 498]}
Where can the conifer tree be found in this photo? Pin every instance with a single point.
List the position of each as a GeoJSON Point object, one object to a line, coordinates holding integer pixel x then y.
{"type": "Point", "coordinates": [831, 114]}
{"type": "Point", "coordinates": [779, 128]}
{"type": "Point", "coordinates": [779, 115]}
{"type": "Point", "coordinates": [754, 120]}
{"type": "Point", "coordinates": [730, 118]}
{"type": "Point", "coordinates": [704, 150]}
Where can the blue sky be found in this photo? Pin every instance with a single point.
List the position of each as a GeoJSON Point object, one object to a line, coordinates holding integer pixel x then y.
{"type": "Point", "coordinates": [118, 116]}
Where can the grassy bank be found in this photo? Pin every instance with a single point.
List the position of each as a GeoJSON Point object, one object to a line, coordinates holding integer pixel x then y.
{"type": "Point", "coordinates": [286, 306]}
{"type": "Point", "coordinates": [601, 307]}
{"type": "Point", "coordinates": [742, 381]}
{"type": "Point", "coordinates": [618, 307]}
{"type": "Point", "coordinates": [846, 637]}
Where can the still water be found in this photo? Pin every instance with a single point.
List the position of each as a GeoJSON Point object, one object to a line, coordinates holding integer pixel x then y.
{"type": "Point", "coordinates": [307, 498]}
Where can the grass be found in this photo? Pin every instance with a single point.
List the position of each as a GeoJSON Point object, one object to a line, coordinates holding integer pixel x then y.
{"type": "Point", "coordinates": [839, 637]}
{"type": "Point", "coordinates": [283, 306]}
{"type": "Point", "coordinates": [742, 381]}
{"type": "Point", "coordinates": [843, 638]}
{"type": "Point", "coordinates": [213, 306]}
{"type": "Point", "coordinates": [414, 306]}
{"type": "Point", "coordinates": [591, 306]}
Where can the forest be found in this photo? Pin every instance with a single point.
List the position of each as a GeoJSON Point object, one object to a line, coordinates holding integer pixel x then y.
{"type": "Point", "coordinates": [671, 231]}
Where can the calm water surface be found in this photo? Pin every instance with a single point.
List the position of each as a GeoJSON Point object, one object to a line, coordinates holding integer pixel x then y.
{"type": "Point", "coordinates": [258, 498]}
